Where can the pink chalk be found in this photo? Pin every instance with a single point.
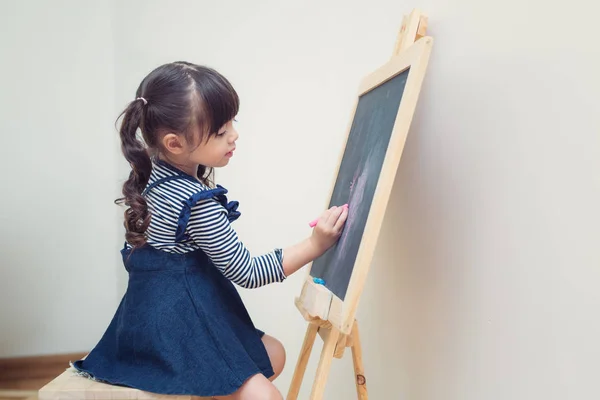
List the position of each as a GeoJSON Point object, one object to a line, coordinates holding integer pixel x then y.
{"type": "Point", "coordinates": [312, 224]}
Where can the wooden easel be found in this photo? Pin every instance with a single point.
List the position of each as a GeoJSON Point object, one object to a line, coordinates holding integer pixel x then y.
{"type": "Point", "coordinates": [334, 345]}
{"type": "Point", "coordinates": [414, 26]}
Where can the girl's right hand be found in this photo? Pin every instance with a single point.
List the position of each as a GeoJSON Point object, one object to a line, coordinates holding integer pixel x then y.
{"type": "Point", "coordinates": [329, 228]}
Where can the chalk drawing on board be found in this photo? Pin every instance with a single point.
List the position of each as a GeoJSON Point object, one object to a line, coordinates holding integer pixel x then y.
{"type": "Point", "coordinates": [357, 178]}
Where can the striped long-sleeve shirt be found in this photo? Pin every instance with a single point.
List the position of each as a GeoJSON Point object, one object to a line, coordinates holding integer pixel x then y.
{"type": "Point", "coordinates": [208, 228]}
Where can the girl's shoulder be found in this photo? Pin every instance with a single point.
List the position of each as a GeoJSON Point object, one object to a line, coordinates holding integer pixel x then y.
{"type": "Point", "coordinates": [167, 178]}
{"type": "Point", "coordinates": [169, 184]}
{"type": "Point", "coordinates": [177, 197]}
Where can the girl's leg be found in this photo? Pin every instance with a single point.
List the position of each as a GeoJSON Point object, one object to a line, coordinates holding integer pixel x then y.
{"type": "Point", "coordinates": [276, 354]}
{"type": "Point", "coordinates": [256, 388]}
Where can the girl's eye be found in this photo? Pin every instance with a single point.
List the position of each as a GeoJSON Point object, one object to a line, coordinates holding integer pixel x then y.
{"type": "Point", "coordinates": [221, 133]}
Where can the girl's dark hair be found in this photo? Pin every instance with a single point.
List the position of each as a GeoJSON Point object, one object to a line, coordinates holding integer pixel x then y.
{"type": "Point", "coordinates": [180, 97]}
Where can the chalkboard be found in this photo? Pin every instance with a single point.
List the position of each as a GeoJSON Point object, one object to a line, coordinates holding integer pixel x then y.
{"type": "Point", "coordinates": [357, 178]}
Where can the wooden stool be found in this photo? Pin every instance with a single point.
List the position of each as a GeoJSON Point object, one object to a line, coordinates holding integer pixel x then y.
{"type": "Point", "coordinates": [69, 386]}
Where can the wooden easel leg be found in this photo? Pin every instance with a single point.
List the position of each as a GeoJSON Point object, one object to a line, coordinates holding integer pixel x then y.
{"type": "Point", "coordinates": [324, 365]}
{"type": "Point", "coordinates": [359, 369]}
{"type": "Point", "coordinates": [309, 340]}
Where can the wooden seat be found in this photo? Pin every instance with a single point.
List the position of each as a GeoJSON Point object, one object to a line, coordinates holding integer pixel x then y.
{"type": "Point", "coordinates": [69, 386]}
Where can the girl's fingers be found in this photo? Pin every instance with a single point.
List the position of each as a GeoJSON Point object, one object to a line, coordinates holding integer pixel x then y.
{"type": "Point", "coordinates": [330, 217]}
{"type": "Point", "coordinates": [333, 215]}
{"type": "Point", "coordinates": [339, 224]}
{"type": "Point", "coordinates": [323, 218]}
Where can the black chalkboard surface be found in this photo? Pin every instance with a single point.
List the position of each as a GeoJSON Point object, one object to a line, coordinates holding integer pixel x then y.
{"type": "Point", "coordinates": [357, 178]}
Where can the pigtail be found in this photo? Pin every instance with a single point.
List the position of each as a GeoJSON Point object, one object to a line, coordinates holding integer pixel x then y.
{"type": "Point", "coordinates": [137, 216]}
{"type": "Point", "coordinates": [206, 175]}
{"type": "Point", "coordinates": [182, 98]}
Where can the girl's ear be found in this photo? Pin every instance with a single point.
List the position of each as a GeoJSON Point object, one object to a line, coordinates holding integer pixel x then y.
{"type": "Point", "coordinates": [173, 143]}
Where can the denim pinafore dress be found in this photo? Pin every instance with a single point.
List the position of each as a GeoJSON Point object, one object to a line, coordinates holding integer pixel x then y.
{"type": "Point", "coordinates": [181, 327]}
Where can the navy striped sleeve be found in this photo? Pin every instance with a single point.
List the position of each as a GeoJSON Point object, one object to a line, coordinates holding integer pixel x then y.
{"type": "Point", "coordinates": [211, 231]}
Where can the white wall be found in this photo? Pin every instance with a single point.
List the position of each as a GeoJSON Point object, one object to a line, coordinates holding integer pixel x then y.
{"type": "Point", "coordinates": [488, 273]}
{"type": "Point", "coordinates": [485, 282]}
{"type": "Point", "coordinates": [58, 273]}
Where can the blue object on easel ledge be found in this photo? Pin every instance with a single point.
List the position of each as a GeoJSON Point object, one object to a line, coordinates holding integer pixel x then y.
{"type": "Point", "coordinates": [319, 281]}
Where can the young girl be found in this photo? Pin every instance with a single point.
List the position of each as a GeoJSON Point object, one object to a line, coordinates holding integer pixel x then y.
{"type": "Point", "coordinates": [181, 327]}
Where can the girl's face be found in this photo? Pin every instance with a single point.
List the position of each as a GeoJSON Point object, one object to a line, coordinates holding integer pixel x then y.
{"type": "Point", "coordinates": [218, 150]}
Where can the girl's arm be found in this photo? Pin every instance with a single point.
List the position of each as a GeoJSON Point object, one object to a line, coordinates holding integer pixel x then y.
{"type": "Point", "coordinates": [210, 229]}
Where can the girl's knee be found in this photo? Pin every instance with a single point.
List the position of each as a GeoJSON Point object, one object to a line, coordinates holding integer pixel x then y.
{"type": "Point", "coordinates": [263, 390]}
{"type": "Point", "coordinates": [273, 394]}
{"type": "Point", "coordinates": [276, 353]}
{"type": "Point", "coordinates": [256, 388]}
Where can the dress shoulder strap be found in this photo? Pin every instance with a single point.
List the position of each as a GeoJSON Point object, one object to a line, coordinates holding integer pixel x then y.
{"type": "Point", "coordinates": [218, 193]}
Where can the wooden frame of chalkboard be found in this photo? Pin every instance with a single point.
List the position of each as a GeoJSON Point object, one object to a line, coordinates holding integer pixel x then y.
{"type": "Point", "coordinates": [407, 66]}
{"type": "Point", "coordinates": [383, 110]}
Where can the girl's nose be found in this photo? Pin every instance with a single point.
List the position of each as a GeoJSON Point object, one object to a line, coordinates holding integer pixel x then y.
{"type": "Point", "coordinates": [234, 136]}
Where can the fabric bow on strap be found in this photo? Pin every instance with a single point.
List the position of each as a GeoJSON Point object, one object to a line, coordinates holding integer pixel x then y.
{"type": "Point", "coordinates": [219, 194]}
